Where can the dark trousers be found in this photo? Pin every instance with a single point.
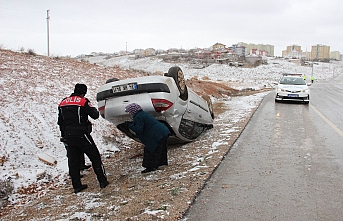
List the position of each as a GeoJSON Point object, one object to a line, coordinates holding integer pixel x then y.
{"type": "Point", "coordinates": [158, 157]}
{"type": "Point", "coordinates": [78, 144]}
{"type": "Point", "coordinates": [82, 156]}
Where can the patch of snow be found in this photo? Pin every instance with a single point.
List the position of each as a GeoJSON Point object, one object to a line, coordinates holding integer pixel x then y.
{"type": "Point", "coordinates": [31, 91]}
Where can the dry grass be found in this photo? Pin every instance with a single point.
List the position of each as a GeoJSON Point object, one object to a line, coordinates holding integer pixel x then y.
{"type": "Point", "coordinates": [164, 194]}
{"type": "Point", "coordinates": [160, 195]}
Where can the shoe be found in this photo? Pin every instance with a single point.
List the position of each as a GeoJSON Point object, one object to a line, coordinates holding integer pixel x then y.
{"type": "Point", "coordinates": [85, 167]}
{"type": "Point", "coordinates": [82, 187]}
{"type": "Point", "coordinates": [147, 170]}
{"type": "Point", "coordinates": [104, 184]}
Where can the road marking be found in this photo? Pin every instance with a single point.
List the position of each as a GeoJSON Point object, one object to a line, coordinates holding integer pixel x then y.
{"type": "Point", "coordinates": [327, 121]}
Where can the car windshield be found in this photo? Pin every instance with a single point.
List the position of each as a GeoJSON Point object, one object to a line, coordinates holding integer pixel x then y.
{"type": "Point", "coordinates": [292, 81]}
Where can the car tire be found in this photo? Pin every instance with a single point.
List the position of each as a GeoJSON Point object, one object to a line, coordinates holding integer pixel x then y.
{"type": "Point", "coordinates": [112, 80]}
{"type": "Point", "coordinates": [177, 74]}
{"type": "Point", "coordinates": [209, 104]}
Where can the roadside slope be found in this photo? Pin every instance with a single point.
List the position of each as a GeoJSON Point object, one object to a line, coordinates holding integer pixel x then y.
{"type": "Point", "coordinates": [31, 88]}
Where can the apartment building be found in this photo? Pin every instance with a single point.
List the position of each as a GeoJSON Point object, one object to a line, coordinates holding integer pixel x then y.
{"type": "Point", "coordinates": [266, 47]}
{"type": "Point", "coordinates": [218, 46]}
{"type": "Point", "coordinates": [259, 52]}
{"type": "Point", "coordinates": [261, 47]}
{"type": "Point", "coordinates": [293, 51]}
{"type": "Point", "coordinates": [239, 50]}
{"type": "Point", "coordinates": [335, 55]}
{"type": "Point", "coordinates": [320, 52]}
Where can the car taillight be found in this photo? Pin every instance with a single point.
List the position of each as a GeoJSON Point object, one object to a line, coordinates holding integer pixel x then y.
{"type": "Point", "coordinates": [161, 104]}
{"type": "Point", "coordinates": [102, 111]}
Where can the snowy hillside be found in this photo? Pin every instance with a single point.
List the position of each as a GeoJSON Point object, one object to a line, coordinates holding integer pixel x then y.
{"type": "Point", "coordinates": [259, 77]}
{"type": "Point", "coordinates": [31, 88]}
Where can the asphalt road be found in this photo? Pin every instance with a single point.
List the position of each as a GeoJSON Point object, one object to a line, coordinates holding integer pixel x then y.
{"type": "Point", "coordinates": [286, 165]}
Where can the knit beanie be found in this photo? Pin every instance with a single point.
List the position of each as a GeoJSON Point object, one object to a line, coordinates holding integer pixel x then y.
{"type": "Point", "coordinates": [80, 89]}
{"type": "Point", "coordinates": [133, 108]}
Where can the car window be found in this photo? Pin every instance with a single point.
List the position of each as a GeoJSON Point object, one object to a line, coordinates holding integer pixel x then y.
{"type": "Point", "coordinates": [300, 81]}
{"type": "Point", "coordinates": [190, 129]}
{"type": "Point", "coordinates": [197, 130]}
{"type": "Point", "coordinates": [283, 81]}
{"type": "Point", "coordinates": [140, 89]}
{"type": "Point", "coordinates": [292, 81]}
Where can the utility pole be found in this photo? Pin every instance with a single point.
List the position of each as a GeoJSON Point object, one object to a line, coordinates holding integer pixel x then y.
{"type": "Point", "coordinates": [47, 20]}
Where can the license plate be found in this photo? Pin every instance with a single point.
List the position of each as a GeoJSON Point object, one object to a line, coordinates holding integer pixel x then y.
{"type": "Point", "coordinates": [293, 95]}
{"type": "Point", "coordinates": [124, 87]}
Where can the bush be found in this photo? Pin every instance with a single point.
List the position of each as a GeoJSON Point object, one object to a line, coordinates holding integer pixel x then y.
{"type": "Point", "coordinates": [31, 52]}
{"type": "Point", "coordinates": [6, 189]}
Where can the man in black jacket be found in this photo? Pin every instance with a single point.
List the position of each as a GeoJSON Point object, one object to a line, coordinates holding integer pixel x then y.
{"type": "Point", "coordinates": [73, 113]}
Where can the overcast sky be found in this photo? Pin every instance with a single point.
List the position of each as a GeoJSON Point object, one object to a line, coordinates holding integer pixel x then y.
{"type": "Point", "coordinates": [81, 27]}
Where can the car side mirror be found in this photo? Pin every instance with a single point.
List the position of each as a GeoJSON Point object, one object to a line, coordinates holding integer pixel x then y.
{"type": "Point", "coordinates": [309, 84]}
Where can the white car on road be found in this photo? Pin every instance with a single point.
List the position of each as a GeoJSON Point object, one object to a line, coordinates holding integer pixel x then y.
{"type": "Point", "coordinates": [167, 98]}
{"type": "Point", "coordinates": [292, 87]}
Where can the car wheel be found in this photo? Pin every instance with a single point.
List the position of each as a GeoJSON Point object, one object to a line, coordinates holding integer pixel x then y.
{"type": "Point", "coordinates": [112, 80]}
{"type": "Point", "coordinates": [177, 74]}
{"type": "Point", "coordinates": [209, 104]}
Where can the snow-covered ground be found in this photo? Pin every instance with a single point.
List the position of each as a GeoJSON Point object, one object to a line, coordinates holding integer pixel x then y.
{"type": "Point", "coordinates": [259, 77]}
{"type": "Point", "coordinates": [31, 88]}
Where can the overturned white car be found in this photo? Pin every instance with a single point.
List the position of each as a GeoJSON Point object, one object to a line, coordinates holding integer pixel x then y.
{"type": "Point", "coordinates": [166, 98]}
